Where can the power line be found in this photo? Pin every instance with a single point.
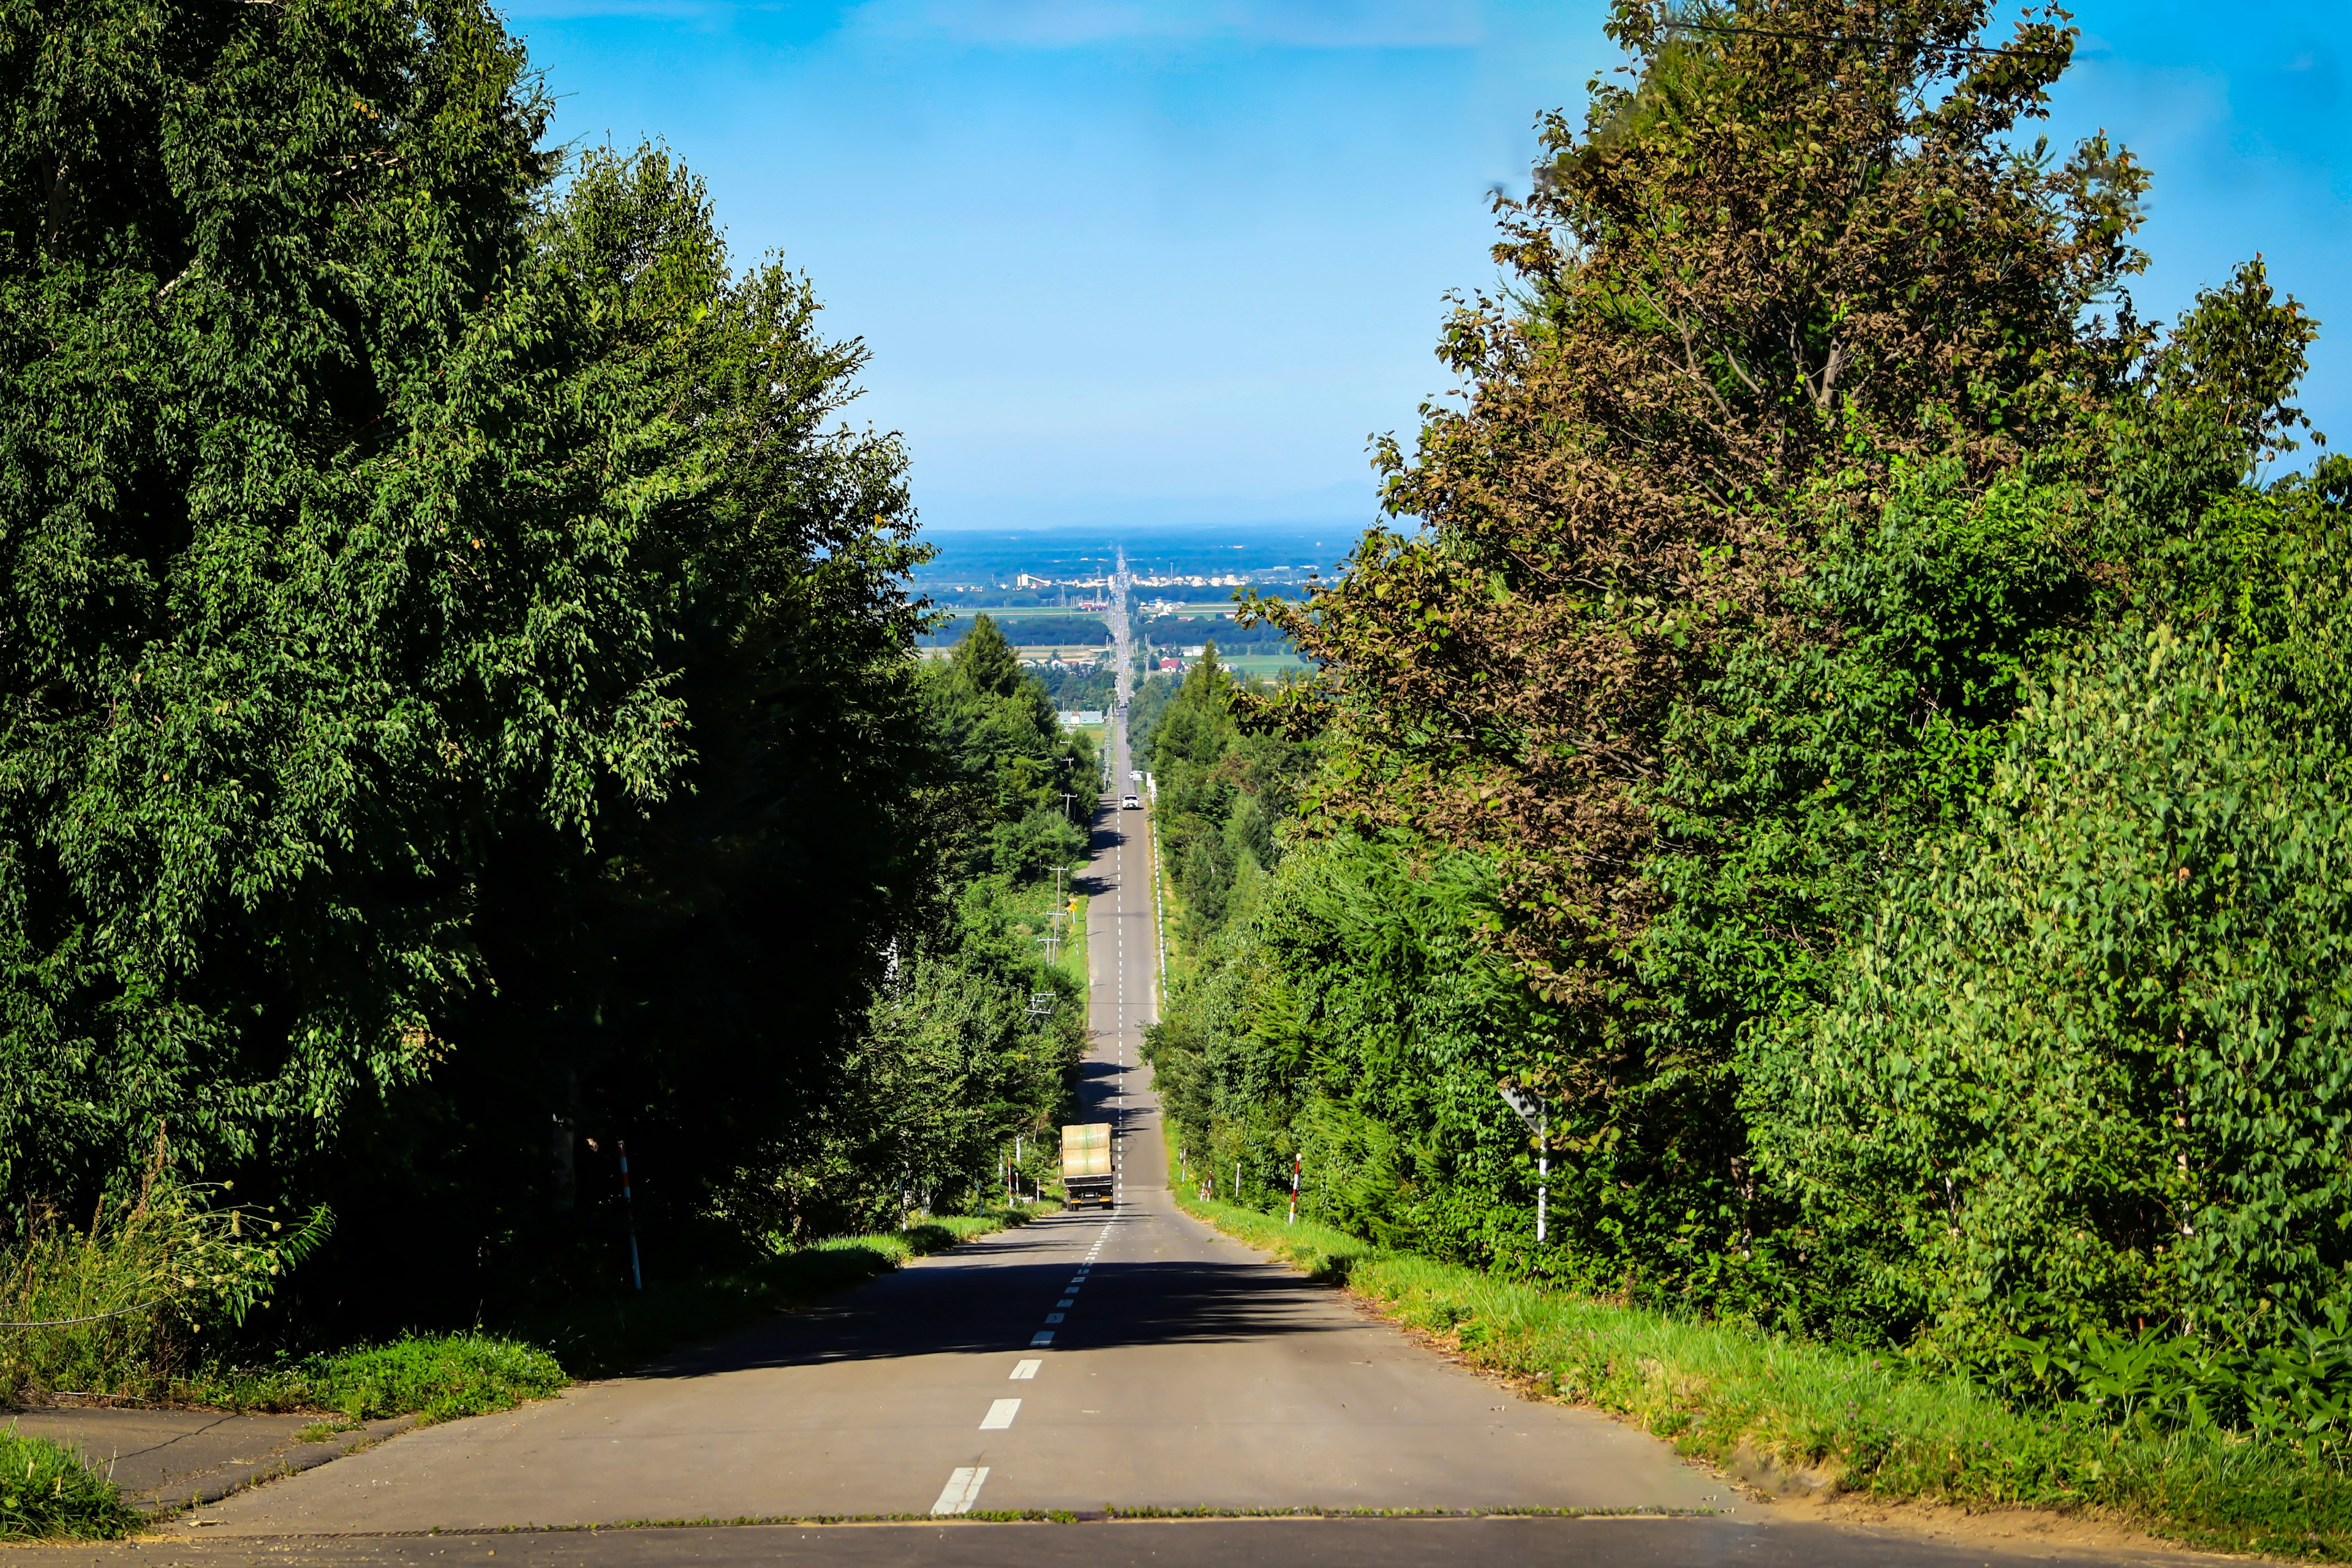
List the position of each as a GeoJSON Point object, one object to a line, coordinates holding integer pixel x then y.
{"type": "Point", "coordinates": [93, 1317]}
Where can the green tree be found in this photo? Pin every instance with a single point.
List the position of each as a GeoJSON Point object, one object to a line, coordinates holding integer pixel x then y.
{"type": "Point", "coordinates": [1741, 569]}
{"type": "Point", "coordinates": [1221, 792]}
{"type": "Point", "coordinates": [1801, 245]}
{"type": "Point", "coordinates": [459, 661]}
{"type": "Point", "coordinates": [699, 974]}
{"type": "Point", "coordinates": [317, 561]}
{"type": "Point", "coordinates": [2084, 1069]}
{"type": "Point", "coordinates": [1013, 763]}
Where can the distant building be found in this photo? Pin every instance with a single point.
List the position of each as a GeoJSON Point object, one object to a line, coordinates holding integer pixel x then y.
{"type": "Point", "coordinates": [1080, 717]}
{"type": "Point", "coordinates": [1172, 665]}
{"type": "Point", "coordinates": [1196, 652]}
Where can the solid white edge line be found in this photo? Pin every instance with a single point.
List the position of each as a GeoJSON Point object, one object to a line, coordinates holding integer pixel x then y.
{"type": "Point", "coordinates": [1000, 1415]}
{"type": "Point", "coordinates": [962, 1489]}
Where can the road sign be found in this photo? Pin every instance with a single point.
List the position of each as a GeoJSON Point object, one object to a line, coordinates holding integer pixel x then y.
{"type": "Point", "coordinates": [1537, 1116]}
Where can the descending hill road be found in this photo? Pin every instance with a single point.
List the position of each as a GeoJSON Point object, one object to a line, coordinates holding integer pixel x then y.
{"type": "Point", "coordinates": [1096, 1361]}
{"type": "Point", "coordinates": [1127, 1359]}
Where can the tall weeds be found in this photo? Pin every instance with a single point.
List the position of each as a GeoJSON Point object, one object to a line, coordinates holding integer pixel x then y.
{"type": "Point", "coordinates": [117, 1307]}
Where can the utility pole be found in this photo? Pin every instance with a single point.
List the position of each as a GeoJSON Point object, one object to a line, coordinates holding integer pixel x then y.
{"type": "Point", "coordinates": [1294, 1166]}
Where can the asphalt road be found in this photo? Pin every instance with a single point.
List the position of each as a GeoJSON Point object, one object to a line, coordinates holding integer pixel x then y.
{"type": "Point", "coordinates": [1091, 1362]}
{"type": "Point", "coordinates": [1123, 1358]}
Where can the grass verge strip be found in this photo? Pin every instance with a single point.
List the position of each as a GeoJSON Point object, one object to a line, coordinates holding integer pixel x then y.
{"type": "Point", "coordinates": [1764, 1405]}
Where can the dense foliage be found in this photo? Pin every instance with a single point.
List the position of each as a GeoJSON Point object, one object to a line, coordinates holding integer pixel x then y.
{"type": "Point", "coordinates": [462, 705]}
{"type": "Point", "coordinates": [1081, 686]}
{"type": "Point", "coordinates": [1038, 631]}
{"type": "Point", "coordinates": [1175, 633]}
{"type": "Point", "coordinates": [2086, 1064]}
{"type": "Point", "coordinates": [1852, 732]}
{"type": "Point", "coordinates": [1219, 793]}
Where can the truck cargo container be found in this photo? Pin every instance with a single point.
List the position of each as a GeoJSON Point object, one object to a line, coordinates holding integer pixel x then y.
{"type": "Point", "coordinates": [1087, 1175]}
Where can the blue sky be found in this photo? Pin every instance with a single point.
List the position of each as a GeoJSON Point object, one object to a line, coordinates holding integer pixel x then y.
{"type": "Point", "coordinates": [1129, 261]}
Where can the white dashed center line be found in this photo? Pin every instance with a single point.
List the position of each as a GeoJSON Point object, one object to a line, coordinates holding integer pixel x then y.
{"type": "Point", "coordinates": [1000, 1416]}
{"type": "Point", "coordinates": [962, 1489]}
{"type": "Point", "coordinates": [1042, 1337]}
{"type": "Point", "coordinates": [1022, 1371]}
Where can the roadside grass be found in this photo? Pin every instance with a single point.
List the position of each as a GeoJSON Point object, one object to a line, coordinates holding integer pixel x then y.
{"type": "Point", "coordinates": [47, 1493]}
{"type": "Point", "coordinates": [437, 1376]}
{"type": "Point", "coordinates": [1170, 918]}
{"type": "Point", "coordinates": [1768, 1407]}
{"type": "Point", "coordinates": [1073, 960]}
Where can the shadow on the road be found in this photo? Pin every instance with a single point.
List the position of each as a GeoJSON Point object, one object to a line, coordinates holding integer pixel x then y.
{"type": "Point", "coordinates": [990, 1297]}
{"type": "Point", "coordinates": [1099, 1082]}
{"type": "Point", "coordinates": [1108, 837]}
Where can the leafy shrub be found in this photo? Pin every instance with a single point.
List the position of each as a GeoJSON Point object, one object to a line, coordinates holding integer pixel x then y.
{"type": "Point", "coordinates": [2092, 1066]}
{"type": "Point", "coordinates": [46, 1493]}
{"type": "Point", "coordinates": [439, 1376]}
{"type": "Point", "coordinates": [116, 1307]}
{"type": "Point", "coordinates": [2295, 1392]}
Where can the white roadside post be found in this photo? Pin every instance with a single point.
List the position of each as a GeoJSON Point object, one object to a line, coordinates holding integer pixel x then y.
{"type": "Point", "coordinates": [1532, 1111]}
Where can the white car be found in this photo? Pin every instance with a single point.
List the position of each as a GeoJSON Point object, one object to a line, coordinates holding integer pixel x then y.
{"type": "Point", "coordinates": [1131, 803]}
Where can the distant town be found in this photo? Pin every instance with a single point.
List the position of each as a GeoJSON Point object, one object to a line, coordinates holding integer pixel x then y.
{"type": "Point", "coordinates": [1065, 623]}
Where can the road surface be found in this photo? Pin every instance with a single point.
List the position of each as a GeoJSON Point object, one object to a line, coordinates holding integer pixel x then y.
{"type": "Point", "coordinates": [1089, 1363]}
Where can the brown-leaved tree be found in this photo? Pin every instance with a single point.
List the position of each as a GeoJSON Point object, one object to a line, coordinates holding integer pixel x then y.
{"type": "Point", "coordinates": [1802, 248]}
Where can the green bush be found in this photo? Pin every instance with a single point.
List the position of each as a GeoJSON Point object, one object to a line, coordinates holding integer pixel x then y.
{"type": "Point", "coordinates": [2090, 1072]}
{"type": "Point", "coordinates": [438, 1376]}
{"type": "Point", "coordinates": [118, 1308]}
{"type": "Point", "coordinates": [46, 1493]}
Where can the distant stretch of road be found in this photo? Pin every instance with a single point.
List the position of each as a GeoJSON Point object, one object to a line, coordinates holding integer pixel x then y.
{"type": "Point", "coordinates": [1087, 1363]}
{"type": "Point", "coordinates": [1122, 650]}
